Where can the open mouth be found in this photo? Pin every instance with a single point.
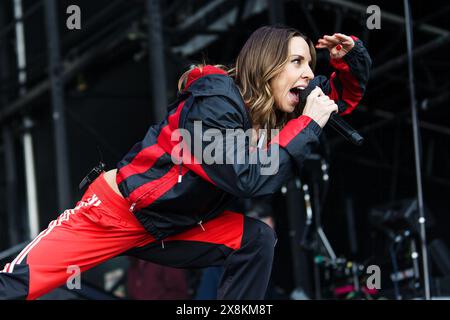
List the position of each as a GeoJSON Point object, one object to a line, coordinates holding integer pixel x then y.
{"type": "Point", "coordinates": [295, 93]}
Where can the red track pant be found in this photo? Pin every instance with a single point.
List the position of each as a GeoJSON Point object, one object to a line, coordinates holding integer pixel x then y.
{"type": "Point", "coordinates": [101, 227]}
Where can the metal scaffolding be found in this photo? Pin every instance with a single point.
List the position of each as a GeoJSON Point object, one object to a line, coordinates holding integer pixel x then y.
{"type": "Point", "coordinates": [190, 34]}
{"type": "Point", "coordinates": [156, 61]}
{"type": "Point", "coordinates": [59, 115]}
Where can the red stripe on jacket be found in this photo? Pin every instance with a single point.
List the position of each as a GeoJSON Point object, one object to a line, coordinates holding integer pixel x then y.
{"type": "Point", "coordinates": [351, 90]}
{"type": "Point", "coordinates": [173, 147]}
{"type": "Point", "coordinates": [142, 162]}
{"type": "Point", "coordinates": [291, 130]}
{"type": "Point", "coordinates": [154, 189]}
{"type": "Point", "coordinates": [147, 157]}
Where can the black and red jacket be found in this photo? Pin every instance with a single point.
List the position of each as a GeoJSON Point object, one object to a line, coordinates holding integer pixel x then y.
{"type": "Point", "coordinates": [168, 198]}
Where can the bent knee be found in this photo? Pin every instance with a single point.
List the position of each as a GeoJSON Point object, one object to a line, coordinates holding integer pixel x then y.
{"type": "Point", "coordinates": [261, 233]}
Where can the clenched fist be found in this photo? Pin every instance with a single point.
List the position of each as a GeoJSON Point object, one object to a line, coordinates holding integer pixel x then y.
{"type": "Point", "coordinates": [319, 107]}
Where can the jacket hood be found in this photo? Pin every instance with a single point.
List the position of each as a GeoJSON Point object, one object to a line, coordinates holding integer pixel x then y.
{"type": "Point", "coordinates": [213, 81]}
{"type": "Point", "coordinates": [197, 73]}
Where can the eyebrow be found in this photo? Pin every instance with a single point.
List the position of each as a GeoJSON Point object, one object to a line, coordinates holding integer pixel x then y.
{"type": "Point", "coordinates": [300, 56]}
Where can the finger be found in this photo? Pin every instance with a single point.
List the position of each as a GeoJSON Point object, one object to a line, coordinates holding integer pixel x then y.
{"type": "Point", "coordinates": [347, 42]}
{"type": "Point", "coordinates": [332, 39]}
{"type": "Point", "coordinates": [343, 37]}
{"type": "Point", "coordinates": [316, 92]}
{"type": "Point", "coordinates": [322, 41]}
{"type": "Point", "coordinates": [334, 108]}
{"type": "Point", "coordinates": [327, 43]}
{"type": "Point", "coordinates": [328, 103]}
{"type": "Point", "coordinates": [324, 98]}
{"type": "Point", "coordinates": [321, 46]}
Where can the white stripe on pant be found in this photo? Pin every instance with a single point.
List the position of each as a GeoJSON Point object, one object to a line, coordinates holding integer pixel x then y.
{"type": "Point", "coordinates": [94, 201]}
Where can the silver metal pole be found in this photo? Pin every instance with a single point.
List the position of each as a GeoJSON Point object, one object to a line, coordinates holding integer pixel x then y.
{"type": "Point", "coordinates": [27, 139]}
{"type": "Point", "coordinates": [416, 134]}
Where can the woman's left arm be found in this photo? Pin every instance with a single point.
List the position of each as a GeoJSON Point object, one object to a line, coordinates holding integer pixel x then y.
{"type": "Point", "coordinates": [351, 63]}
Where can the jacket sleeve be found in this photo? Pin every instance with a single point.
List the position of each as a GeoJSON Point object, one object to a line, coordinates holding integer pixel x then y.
{"type": "Point", "coordinates": [347, 83]}
{"type": "Point", "coordinates": [239, 171]}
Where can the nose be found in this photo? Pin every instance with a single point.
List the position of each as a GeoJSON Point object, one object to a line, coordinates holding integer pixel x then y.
{"type": "Point", "coordinates": [308, 73]}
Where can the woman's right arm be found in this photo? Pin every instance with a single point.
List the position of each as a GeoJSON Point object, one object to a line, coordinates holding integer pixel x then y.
{"type": "Point", "coordinates": [347, 84]}
{"type": "Point", "coordinates": [236, 174]}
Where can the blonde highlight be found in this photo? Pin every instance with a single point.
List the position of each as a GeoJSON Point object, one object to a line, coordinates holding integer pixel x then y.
{"type": "Point", "coordinates": [184, 77]}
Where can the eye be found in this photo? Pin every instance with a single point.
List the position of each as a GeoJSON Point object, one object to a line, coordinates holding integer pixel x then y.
{"type": "Point", "coordinates": [297, 61]}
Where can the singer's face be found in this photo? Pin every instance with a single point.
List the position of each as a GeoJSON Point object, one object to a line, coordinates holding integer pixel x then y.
{"type": "Point", "coordinates": [296, 74]}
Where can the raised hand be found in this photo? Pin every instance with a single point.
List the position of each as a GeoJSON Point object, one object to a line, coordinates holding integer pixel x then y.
{"type": "Point", "coordinates": [338, 44]}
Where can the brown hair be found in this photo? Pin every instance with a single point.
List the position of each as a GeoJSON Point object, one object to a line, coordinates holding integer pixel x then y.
{"type": "Point", "coordinates": [262, 58]}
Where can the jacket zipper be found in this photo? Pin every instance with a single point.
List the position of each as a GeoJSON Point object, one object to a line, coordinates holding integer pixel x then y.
{"type": "Point", "coordinates": [180, 176]}
{"type": "Point", "coordinates": [133, 205]}
{"type": "Point", "coordinates": [180, 166]}
{"type": "Point", "coordinates": [180, 171]}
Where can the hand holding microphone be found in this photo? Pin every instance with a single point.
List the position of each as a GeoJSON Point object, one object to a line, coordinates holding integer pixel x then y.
{"type": "Point", "coordinates": [321, 108]}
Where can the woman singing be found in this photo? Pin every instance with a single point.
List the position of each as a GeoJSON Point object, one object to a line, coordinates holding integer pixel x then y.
{"type": "Point", "coordinates": [162, 204]}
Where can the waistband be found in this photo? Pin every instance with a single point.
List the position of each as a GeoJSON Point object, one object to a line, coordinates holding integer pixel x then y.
{"type": "Point", "coordinates": [108, 196]}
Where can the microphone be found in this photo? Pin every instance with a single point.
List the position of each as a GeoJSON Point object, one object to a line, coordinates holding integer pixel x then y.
{"type": "Point", "coordinates": [336, 122]}
{"type": "Point", "coordinates": [342, 127]}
